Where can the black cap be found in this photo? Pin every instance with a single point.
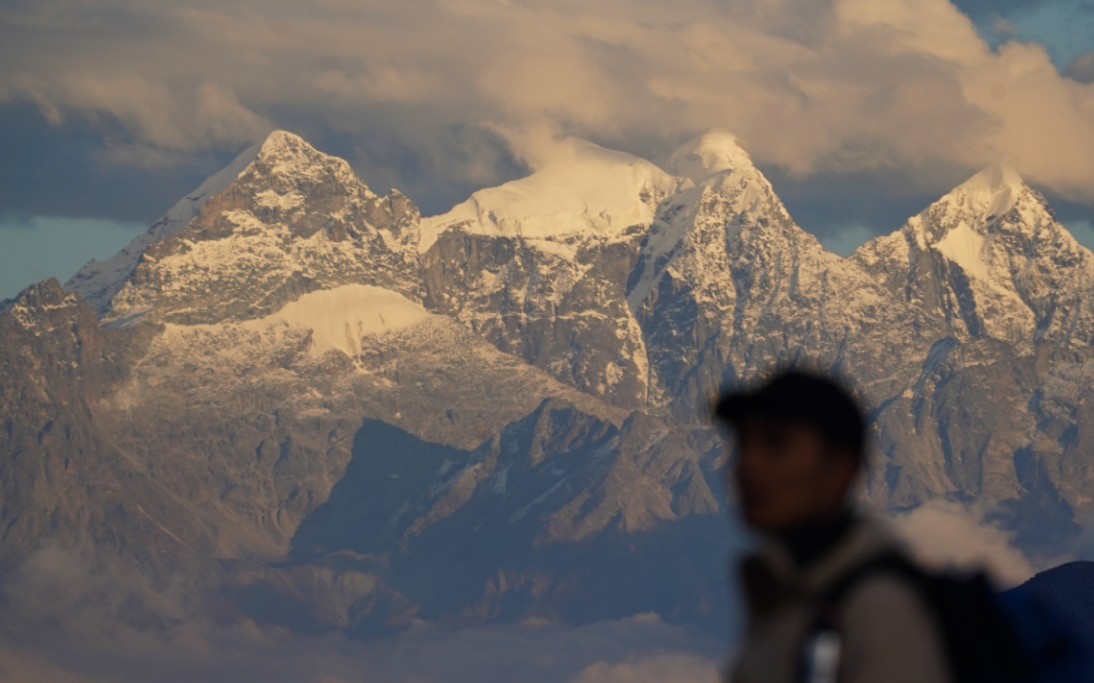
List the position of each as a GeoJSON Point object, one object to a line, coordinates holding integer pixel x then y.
{"type": "Point", "coordinates": [799, 396]}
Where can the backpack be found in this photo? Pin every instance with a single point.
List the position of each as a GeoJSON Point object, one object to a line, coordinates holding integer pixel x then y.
{"type": "Point", "coordinates": [988, 636]}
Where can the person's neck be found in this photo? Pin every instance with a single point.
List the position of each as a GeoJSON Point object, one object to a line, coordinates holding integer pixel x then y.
{"type": "Point", "coordinates": [812, 540]}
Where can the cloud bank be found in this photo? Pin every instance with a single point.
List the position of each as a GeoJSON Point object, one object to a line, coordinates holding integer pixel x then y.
{"type": "Point", "coordinates": [810, 86]}
{"type": "Point", "coordinates": [80, 617]}
{"type": "Point", "coordinates": [945, 534]}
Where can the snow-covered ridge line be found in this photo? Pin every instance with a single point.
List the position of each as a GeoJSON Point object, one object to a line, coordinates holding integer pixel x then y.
{"type": "Point", "coordinates": [338, 318]}
{"type": "Point", "coordinates": [99, 281]}
{"type": "Point", "coordinates": [587, 189]}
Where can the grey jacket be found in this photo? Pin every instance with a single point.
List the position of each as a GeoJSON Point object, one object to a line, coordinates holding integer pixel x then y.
{"type": "Point", "coordinates": [887, 633]}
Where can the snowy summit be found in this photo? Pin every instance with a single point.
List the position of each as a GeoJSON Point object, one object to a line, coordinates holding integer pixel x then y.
{"type": "Point", "coordinates": [715, 152]}
{"type": "Point", "coordinates": [584, 189]}
{"type": "Point", "coordinates": [992, 192]}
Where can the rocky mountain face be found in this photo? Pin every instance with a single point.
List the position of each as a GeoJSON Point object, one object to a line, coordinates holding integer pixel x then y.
{"type": "Point", "coordinates": [293, 221]}
{"type": "Point", "coordinates": [725, 261]}
{"type": "Point", "coordinates": [540, 267]}
{"type": "Point", "coordinates": [310, 405]}
{"type": "Point", "coordinates": [991, 258]}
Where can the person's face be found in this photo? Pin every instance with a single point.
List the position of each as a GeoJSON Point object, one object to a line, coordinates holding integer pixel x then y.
{"type": "Point", "coordinates": [786, 474]}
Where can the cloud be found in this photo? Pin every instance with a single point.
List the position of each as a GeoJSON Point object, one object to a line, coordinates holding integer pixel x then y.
{"type": "Point", "coordinates": [607, 652]}
{"type": "Point", "coordinates": [79, 617]}
{"type": "Point", "coordinates": [161, 118]}
{"type": "Point", "coordinates": [946, 534]}
{"type": "Point", "coordinates": [810, 87]}
{"type": "Point", "coordinates": [668, 668]}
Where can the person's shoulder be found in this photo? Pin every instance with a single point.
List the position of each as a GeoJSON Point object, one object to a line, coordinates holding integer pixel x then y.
{"type": "Point", "coordinates": [885, 591]}
{"type": "Point", "coordinates": [884, 577]}
{"type": "Point", "coordinates": [883, 585]}
{"type": "Point", "coordinates": [890, 633]}
{"type": "Point", "coordinates": [890, 606]}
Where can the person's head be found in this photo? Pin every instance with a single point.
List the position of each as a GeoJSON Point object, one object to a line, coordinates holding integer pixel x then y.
{"type": "Point", "coordinates": [800, 444]}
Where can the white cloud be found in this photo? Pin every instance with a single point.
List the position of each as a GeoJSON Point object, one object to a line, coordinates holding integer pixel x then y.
{"type": "Point", "coordinates": [809, 86]}
{"type": "Point", "coordinates": [946, 534]}
{"type": "Point", "coordinates": [665, 668]}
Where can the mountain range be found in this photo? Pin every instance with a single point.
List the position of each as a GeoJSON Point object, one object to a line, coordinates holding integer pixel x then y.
{"type": "Point", "coordinates": [299, 401]}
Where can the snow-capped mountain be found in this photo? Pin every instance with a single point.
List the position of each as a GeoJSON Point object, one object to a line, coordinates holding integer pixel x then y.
{"type": "Point", "coordinates": [991, 260]}
{"type": "Point", "coordinates": [725, 277]}
{"type": "Point", "coordinates": [292, 386]}
{"type": "Point", "coordinates": [281, 221]}
{"type": "Point", "coordinates": [584, 190]}
{"type": "Point", "coordinates": [539, 266]}
{"type": "Point", "coordinates": [99, 281]}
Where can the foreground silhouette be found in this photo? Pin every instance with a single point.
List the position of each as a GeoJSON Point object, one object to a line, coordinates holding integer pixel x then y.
{"type": "Point", "coordinates": [831, 595]}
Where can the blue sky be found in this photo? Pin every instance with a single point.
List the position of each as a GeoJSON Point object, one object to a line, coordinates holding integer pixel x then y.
{"type": "Point", "coordinates": [860, 111]}
{"type": "Point", "coordinates": [36, 248]}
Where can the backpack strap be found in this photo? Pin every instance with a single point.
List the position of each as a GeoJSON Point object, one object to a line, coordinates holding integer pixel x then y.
{"type": "Point", "coordinates": [820, 654]}
{"type": "Point", "coordinates": [892, 563]}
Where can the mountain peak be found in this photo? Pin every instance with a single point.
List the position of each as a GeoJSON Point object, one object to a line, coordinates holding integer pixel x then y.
{"type": "Point", "coordinates": [582, 188]}
{"type": "Point", "coordinates": [282, 212]}
{"type": "Point", "coordinates": [289, 156]}
{"type": "Point", "coordinates": [993, 191]}
{"type": "Point", "coordinates": [281, 137]}
{"type": "Point", "coordinates": [992, 258]}
{"type": "Point", "coordinates": [963, 222]}
{"type": "Point", "coordinates": [993, 178]}
{"type": "Point", "coordinates": [98, 281]}
{"type": "Point", "coordinates": [714, 152]}
{"type": "Point", "coordinates": [281, 143]}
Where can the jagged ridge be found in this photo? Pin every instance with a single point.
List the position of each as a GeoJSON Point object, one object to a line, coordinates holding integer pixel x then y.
{"type": "Point", "coordinates": [569, 355]}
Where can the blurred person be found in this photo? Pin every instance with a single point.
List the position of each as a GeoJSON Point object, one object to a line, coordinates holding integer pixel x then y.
{"type": "Point", "coordinates": [814, 615]}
